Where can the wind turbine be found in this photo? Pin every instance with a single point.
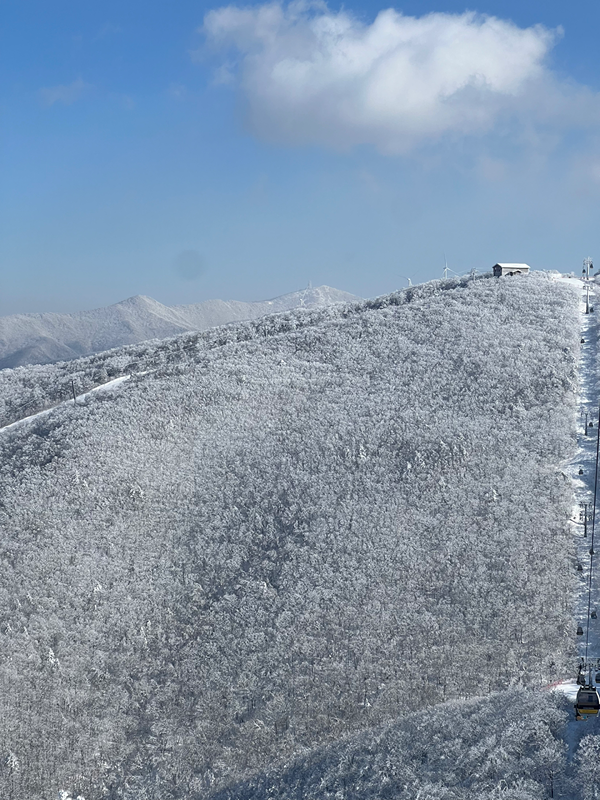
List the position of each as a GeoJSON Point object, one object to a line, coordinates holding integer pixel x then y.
{"type": "Point", "coordinates": [447, 269]}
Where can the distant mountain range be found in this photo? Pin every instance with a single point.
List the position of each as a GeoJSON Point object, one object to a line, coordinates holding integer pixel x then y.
{"type": "Point", "coordinates": [46, 338]}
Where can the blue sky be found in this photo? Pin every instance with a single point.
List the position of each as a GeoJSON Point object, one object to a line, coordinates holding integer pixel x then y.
{"type": "Point", "coordinates": [186, 152]}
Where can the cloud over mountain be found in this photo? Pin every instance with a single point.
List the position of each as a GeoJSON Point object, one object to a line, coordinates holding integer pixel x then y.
{"type": "Point", "coordinates": [313, 76]}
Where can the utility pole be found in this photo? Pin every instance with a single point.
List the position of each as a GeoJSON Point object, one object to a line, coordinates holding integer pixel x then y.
{"type": "Point", "coordinates": [588, 264]}
{"type": "Point", "coordinates": [585, 517]}
{"type": "Point", "coordinates": [587, 297]}
{"type": "Point", "coordinates": [588, 423]}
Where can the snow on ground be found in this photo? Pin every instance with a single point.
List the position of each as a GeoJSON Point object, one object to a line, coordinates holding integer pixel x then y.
{"type": "Point", "coordinates": [585, 460]}
{"type": "Point", "coordinates": [81, 398]}
{"type": "Point", "coordinates": [46, 338]}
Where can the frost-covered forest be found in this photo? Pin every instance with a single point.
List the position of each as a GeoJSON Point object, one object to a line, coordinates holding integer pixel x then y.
{"type": "Point", "coordinates": [283, 532]}
{"type": "Point", "coordinates": [509, 745]}
{"type": "Point", "coordinates": [44, 338]}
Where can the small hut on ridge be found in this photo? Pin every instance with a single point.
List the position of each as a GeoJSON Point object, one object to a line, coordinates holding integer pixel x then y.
{"type": "Point", "coordinates": [510, 269]}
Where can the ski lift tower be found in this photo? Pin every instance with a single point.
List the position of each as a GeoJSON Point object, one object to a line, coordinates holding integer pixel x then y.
{"type": "Point", "coordinates": [588, 264]}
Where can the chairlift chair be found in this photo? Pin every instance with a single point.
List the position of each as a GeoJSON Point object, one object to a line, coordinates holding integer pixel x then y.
{"type": "Point", "coordinates": [594, 614]}
{"type": "Point", "coordinates": [587, 703]}
{"type": "Point", "coordinates": [579, 630]}
{"type": "Point", "coordinates": [579, 567]}
{"type": "Point", "coordinates": [580, 471]}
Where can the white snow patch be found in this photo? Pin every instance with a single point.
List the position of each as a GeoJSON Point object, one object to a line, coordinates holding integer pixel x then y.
{"type": "Point", "coordinates": [78, 399]}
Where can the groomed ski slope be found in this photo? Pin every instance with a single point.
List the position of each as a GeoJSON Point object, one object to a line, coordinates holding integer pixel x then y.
{"type": "Point", "coordinates": [79, 399]}
{"type": "Point", "coordinates": [585, 460]}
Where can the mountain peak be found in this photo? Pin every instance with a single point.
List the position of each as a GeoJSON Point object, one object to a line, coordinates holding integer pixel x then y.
{"type": "Point", "coordinates": [139, 301]}
{"type": "Point", "coordinates": [136, 319]}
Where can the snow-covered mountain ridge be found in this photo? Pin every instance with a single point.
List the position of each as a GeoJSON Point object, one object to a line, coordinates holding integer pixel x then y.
{"type": "Point", "coordinates": [46, 338]}
{"type": "Point", "coordinates": [282, 533]}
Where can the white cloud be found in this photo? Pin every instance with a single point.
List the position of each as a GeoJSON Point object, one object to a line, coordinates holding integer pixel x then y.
{"type": "Point", "coordinates": [313, 76]}
{"type": "Point", "coordinates": [67, 95]}
{"type": "Point", "coordinates": [224, 75]}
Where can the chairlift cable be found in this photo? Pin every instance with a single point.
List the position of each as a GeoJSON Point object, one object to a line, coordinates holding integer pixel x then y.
{"type": "Point", "coordinates": [587, 630]}
{"type": "Point", "coordinates": [587, 703]}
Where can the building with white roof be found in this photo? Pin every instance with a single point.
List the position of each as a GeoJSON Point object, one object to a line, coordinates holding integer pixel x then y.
{"type": "Point", "coordinates": [510, 269]}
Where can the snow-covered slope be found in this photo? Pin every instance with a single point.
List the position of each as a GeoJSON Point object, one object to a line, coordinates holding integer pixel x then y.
{"type": "Point", "coordinates": [506, 746]}
{"type": "Point", "coordinates": [45, 338]}
{"type": "Point", "coordinates": [280, 533]}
